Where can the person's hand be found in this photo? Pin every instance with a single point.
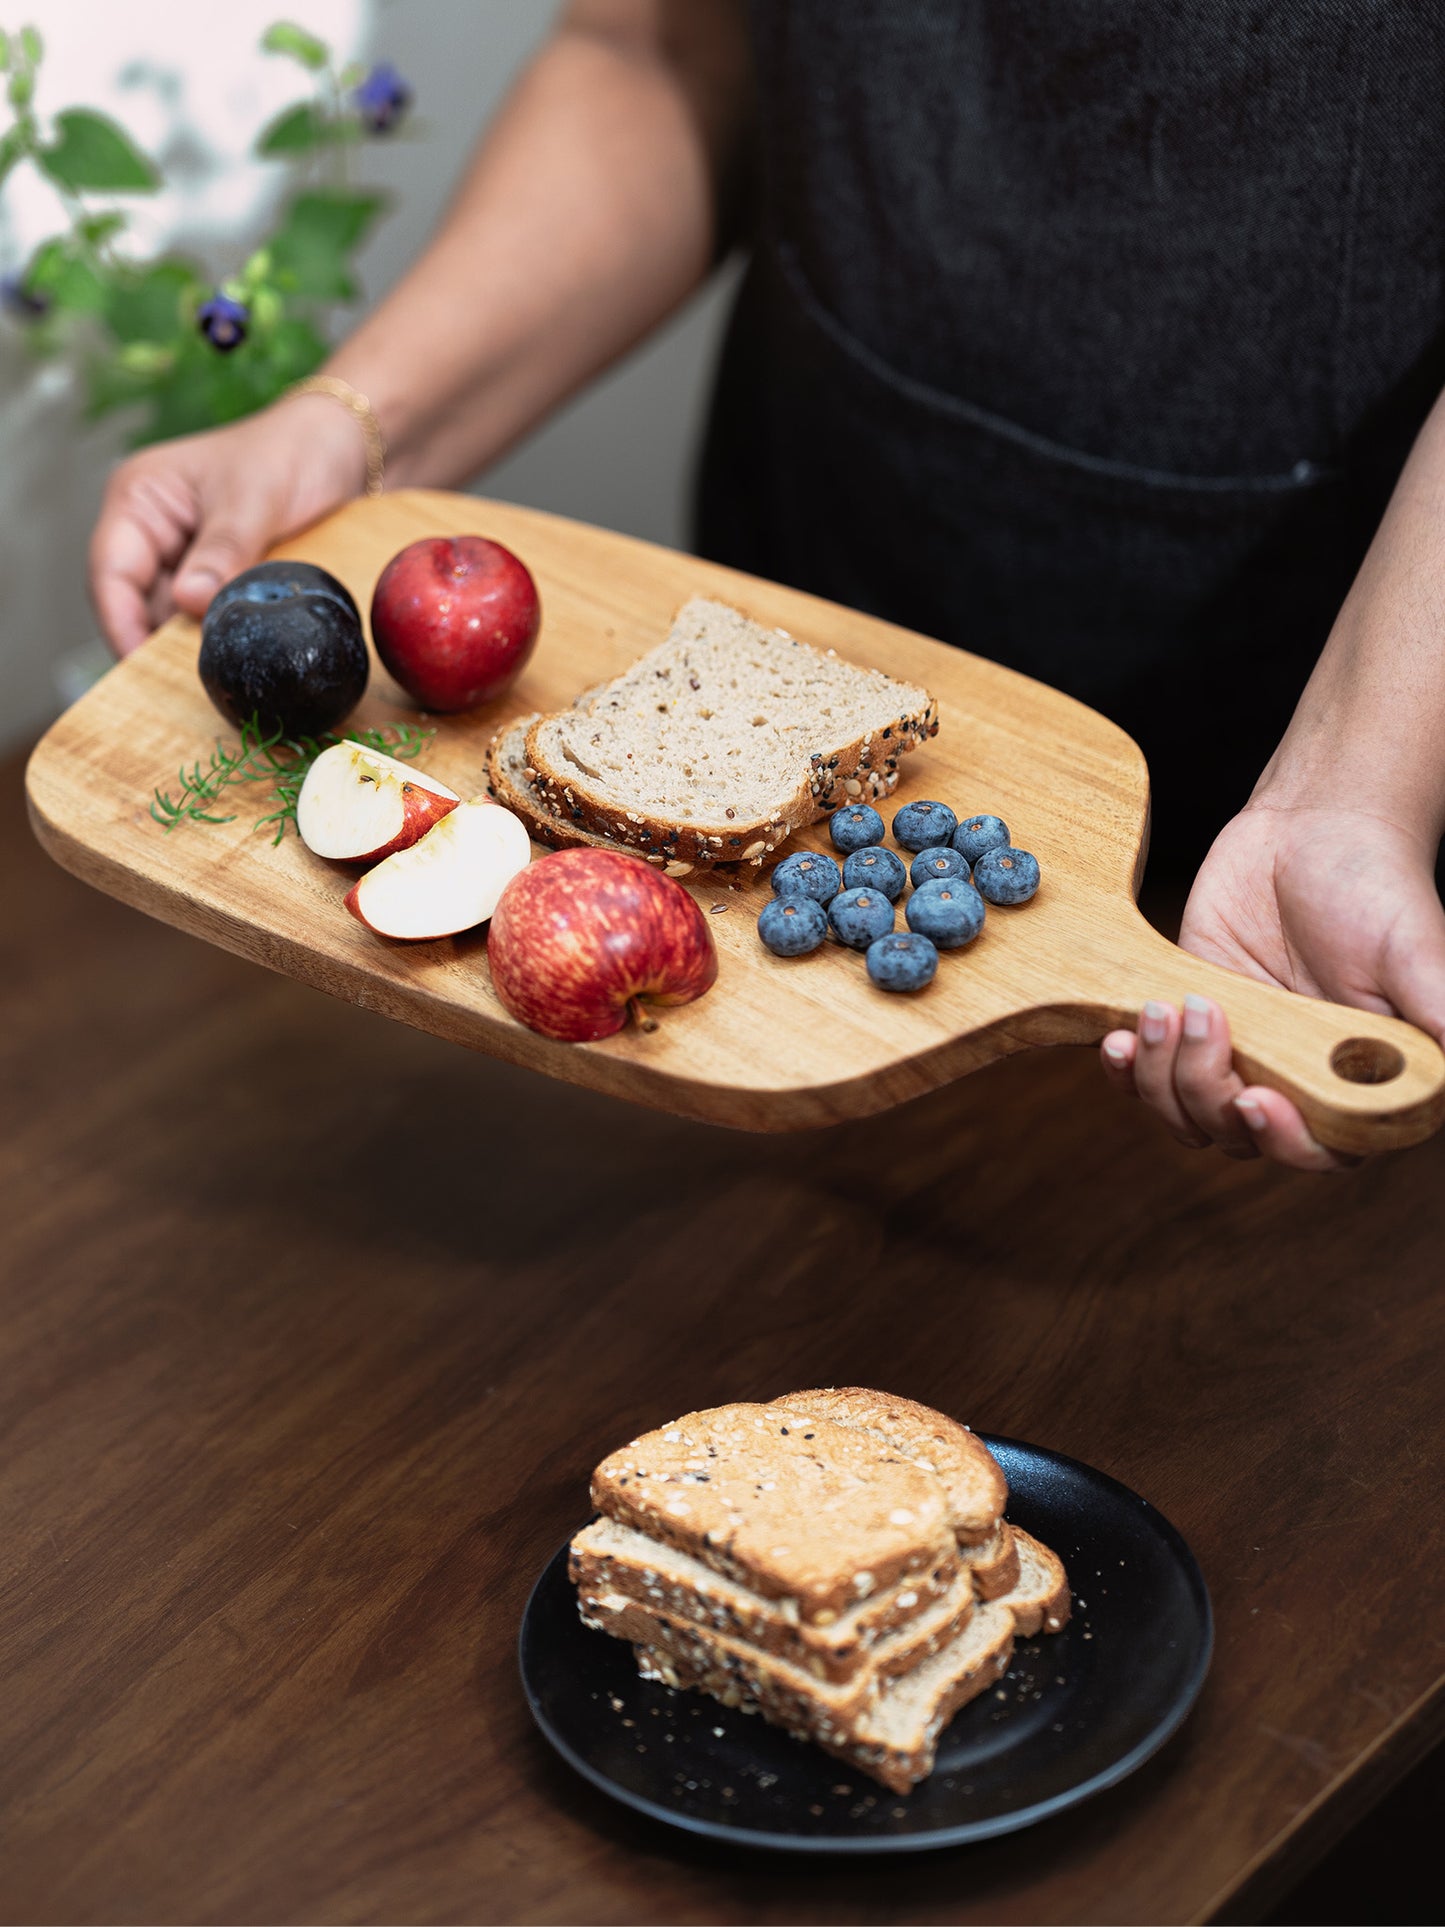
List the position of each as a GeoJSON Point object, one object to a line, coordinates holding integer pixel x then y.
{"type": "Point", "coordinates": [181, 518]}
{"type": "Point", "coordinates": [1334, 903]}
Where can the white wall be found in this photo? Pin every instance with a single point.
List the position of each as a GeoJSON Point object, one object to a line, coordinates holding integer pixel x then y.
{"type": "Point", "coordinates": [619, 455]}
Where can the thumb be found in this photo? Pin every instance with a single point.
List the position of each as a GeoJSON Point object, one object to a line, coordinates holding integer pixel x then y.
{"type": "Point", "coordinates": [237, 531]}
{"type": "Point", "coordinates": [1413, 968]}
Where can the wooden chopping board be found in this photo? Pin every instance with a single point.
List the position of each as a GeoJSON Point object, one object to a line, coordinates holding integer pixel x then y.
{"type": "Point", "coordinates": [777, 1045]}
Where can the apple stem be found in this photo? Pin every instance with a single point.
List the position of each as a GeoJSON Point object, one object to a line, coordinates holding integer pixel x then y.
{"type": "Point", "coordinates": [639, 1016]}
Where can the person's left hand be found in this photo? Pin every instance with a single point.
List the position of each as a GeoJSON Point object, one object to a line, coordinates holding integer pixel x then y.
{"type": "Point", "coordinates": [1334, 903]}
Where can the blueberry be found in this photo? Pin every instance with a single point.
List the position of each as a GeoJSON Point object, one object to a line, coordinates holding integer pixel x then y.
{"type": "Point", "coordinates": [26, 304]}
{"type": "Point", "coordinates": [223, 321]}
{"type": "Point", "coordinates": [283, 642]}
{"type": "Point", "coordinates": [791, 926]}
{"type": "Point", "coordinates": [903, 960]}
{"type": "Point", "coordinates": [382, 98]}
{"type": "Point", "coordinates": [859, 917]}
{"type": "Point", "coordinates": [1007, 875]}
{"type": "Point", "coordinates": [855, 827]}
{"type": "Point", "coordinates": [949, 912]}
{"type": "Point", "coordinates": [877, 869]}
{"type": "Point", "coordinates": [808, 873]}
{"type": "Point", "coordinates": [938, 865]}
{"type": "Point", "coordinates": [975, 834]}
{"type": "Point", "coordinates": [920, 826]}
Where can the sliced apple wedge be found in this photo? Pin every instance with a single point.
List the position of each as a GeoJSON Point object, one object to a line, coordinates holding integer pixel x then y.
{"type": "Point", "coordinates": [358, 805]}
{"type": "Point", "coordinates": [450, 880]}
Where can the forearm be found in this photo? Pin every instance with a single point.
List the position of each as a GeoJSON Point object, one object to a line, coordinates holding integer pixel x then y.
{"type": "Point", "coordinates": [587, 215]}
{"type": "Point", "coordinates": [1369, 730]}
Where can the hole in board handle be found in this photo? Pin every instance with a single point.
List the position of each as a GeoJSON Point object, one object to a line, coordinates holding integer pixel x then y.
{"type": "Point", "coordinates": [1366, 1060]}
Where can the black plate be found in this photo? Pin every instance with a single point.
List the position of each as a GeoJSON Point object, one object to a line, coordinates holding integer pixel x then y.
{"type": "Point", "coordinates": [1075, 1712]}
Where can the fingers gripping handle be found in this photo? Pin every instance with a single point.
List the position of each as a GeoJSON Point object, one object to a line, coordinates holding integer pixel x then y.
{"type": "Point", "coordinates": [1362, 1082]}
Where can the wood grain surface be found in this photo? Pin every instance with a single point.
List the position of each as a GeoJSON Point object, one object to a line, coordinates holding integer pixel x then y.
{"type": "Point", "coordinates": [312, 1327]}
{"type": "Point", "coordinates": [778, 1045]}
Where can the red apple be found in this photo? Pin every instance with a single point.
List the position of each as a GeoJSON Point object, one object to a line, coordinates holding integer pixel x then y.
{"type": "Point", "coordinates": [582, 935]}
{"type": "Point", "coordinates": [450, 880]}
{"type": "Point", "coordinates": [358, 805]}
{"type": "Point", "coordinates": [454, 618]}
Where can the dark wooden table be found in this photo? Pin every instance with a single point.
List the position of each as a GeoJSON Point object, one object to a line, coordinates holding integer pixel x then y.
{"type": "Point", "coordinates": [311, 1328]}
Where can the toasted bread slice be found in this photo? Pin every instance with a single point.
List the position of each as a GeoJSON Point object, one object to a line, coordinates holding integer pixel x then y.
{"type": "Point", "coordinates": [513, 784]}
{"type": "Point", "coordinates": [797, 1696]}
{"type": "Point", "coordinates": [894, 1737]}
{"type": "Point", "coordinates": [607, 1558]}
{"type": "Point", "coordinates": [977, 1489]}
{"type": "Point", "coordinates": [719, 743]}
{"type": "Point", "coordinates": [994, 1564]}
{"type": "Point", "coordinates": [1040, 1600]}
{"type": "Point", "coordinates": [794, 1508]}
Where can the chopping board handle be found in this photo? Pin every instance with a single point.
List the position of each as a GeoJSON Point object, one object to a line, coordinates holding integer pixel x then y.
{"type": "Point", "coordinates": [1363, 1082]}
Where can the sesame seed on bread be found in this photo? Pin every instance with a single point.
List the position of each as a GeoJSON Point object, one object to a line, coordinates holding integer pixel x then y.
{"type": "Point", "coordinates": [724, 739]}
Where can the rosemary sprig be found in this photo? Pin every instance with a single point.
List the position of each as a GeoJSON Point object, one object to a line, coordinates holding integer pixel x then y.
{"type": "Point", "coordinates": [270, 757]}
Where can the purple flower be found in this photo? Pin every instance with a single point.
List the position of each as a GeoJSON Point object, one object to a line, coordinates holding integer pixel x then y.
{"type": "Point", "coordinates": [19, 302]}
{"type": "Point", "coordinates": [382, 98]}
{"type": "Point", "coordinates": [223, 321]}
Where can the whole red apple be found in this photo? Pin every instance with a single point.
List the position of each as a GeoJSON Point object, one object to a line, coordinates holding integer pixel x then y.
{"type": "Point", "coordinates": [582, 936]}
{"type": "Point", "coordinates": [454, 618]}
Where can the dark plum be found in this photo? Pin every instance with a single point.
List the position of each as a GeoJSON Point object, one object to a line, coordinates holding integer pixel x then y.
{"type": "Point", "coordinates": [283, 642]}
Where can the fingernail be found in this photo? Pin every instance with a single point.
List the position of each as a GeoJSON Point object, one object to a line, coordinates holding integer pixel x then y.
{"type": "Point", "coordinates": [1154, 1022]}
{"type": "Point", "coordinates": [1252, 1111]}
{"type": "Point", "coordinates": [198, 581]}
{"type": "Point", "coordinates": [1116, 1055]}
{"type": "Point", "coordinates": [1196, 1019]}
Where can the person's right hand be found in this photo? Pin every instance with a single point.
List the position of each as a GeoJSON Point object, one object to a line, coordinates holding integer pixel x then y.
{"type": "Point", "coordinates": [181, 518]}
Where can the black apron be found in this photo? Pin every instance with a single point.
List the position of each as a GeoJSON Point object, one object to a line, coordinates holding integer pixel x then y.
{"type": "Point", "coordinates": [1090, 335]}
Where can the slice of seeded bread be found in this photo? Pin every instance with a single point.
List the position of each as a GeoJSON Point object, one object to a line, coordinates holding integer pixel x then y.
{"type": "Point", "coordinates": [607, 1559]}
{"type": "Point", "coordinates": [822, 1514]}
{"type": "Point", "coordinates": [723, 740]}
{"type": "Point", "coordinates": [994, 1564]}
{"type": "Point", "coordinates": [513, 784]}
{"type": "Point", "coordinates": [806, 1698]}
{"type": "Point", "coordinates": [1040, 1601]}
{"type": "Point", "coordinates": [977, 1490]}
{"type": "Point", "coordinates": [893, 1738]}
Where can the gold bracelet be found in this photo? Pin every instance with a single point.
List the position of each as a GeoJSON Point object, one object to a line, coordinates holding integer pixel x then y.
{"type": "Point", "coordinates": [361, 412]}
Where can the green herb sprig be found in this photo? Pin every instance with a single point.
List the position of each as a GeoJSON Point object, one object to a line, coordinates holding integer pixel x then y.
{"type": "Point", "coordinates": [269, 756]}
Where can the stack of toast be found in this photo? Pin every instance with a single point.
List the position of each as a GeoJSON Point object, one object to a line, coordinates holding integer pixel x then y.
{"type": "Point", "coordinates": [836, 1560]}
{"type": "Point", "coordinates": [710, 751]}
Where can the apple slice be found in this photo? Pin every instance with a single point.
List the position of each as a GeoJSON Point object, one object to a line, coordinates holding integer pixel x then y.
{"type": "Point", "coordinates": [358, 805]}
{"type": "Point", "coordinates": [450, 880]}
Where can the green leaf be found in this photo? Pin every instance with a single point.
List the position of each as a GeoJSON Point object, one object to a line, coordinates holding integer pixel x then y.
{"type": "Point", "coordinates": [309, 250]}
{"type": "Point", "coordinates": [296, 350]}
{"type": "Point", "coordinates": [92, 152]}
{"type": "Point", "coordinates": [70, 282]}
{"type": "Point", "coordinates": [98, 228]}
{"type": "Point", "coordinates": [296, 131]}
{"type": "Point", "coordinates": [147, 304]}
{"type": "Point", "coordinates": [282, 37]}
{"type": "Point", "coordinates": [21, 90]}
{"type": "Point", "coordinates": [11, 148]}
{"type": "Point", "coordinates": [32, 46]}
{"type": "Point", "coordinates": [4, 50]}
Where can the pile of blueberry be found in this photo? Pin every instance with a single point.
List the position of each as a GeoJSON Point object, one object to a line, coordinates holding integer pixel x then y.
{"type": "Point", "coordinates": [956, 866]}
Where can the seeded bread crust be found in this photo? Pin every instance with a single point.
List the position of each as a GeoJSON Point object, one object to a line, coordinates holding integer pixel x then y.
{"type": "Point", "coordinates": [828, 772]}
{"type": "Point", "coordinates": [994, 1564]}
{"type": "Point", "coordinates": [1040, 1601]}
{"type": "Point", "coordinates": [608, 1559]}
{"type": "Point", "coordinates": [895, 1738]}
{"type": "Point", "coordinates": [644, 1623]}
{"type": "Point", "coordinates": [826, 1515]}
{"type": "Point", "coordinates": [514, 786]}
{"type": "Point", "coordinates": [977, 1489]}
